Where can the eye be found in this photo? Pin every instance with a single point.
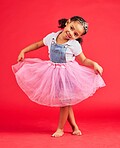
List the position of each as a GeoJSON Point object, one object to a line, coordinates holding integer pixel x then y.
{"type": "Point", "coordinates": [75, 34]}
{"type": "Point", "coordinates": [71, 28]}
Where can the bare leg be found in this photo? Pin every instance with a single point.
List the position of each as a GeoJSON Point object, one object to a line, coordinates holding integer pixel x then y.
{"type": "Point", "coordinates": [62, 120]}
{"type": "Point", "coordinates": [71, 120]}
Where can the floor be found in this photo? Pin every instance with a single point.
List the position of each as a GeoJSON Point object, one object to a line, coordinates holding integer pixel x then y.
{"type": "Point", "coordinates": [97, 133]}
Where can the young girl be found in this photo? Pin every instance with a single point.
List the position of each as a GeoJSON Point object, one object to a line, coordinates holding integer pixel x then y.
{"type": "Point", "coordinates": [60, 81]}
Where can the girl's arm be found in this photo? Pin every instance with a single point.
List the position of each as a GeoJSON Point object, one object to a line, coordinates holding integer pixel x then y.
{"type": "Point", "coordinates": [87, 62]}
{"type": "Point", "coordinates": [31, 47]}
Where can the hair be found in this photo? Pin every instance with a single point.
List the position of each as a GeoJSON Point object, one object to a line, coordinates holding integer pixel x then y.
{"type": "Point", "coordinates": [62, 24]}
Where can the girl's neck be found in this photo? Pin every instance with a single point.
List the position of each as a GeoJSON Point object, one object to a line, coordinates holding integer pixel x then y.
{"type": "Point", "coordinates": [60, 39]}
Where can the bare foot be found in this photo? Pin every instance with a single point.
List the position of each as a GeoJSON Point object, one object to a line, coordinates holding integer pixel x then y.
{"type": "Point", "coordinates": [77, 132]}
{"type": "Point", "coordinates": [58, 133]}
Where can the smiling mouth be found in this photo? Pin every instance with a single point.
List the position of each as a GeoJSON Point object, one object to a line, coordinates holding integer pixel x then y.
{"type": "Point", "coordinates": [68, 35]}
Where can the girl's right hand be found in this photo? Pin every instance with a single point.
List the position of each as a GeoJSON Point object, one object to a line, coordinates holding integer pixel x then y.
{"type": "Point", "coordinates": [20, 56]}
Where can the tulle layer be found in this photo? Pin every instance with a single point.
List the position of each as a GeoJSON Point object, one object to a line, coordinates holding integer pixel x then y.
{"type": "Point", "coordinates": [56, 84]}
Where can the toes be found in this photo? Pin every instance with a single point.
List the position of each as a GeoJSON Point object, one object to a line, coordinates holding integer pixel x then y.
{"type": "Point", "coordinates": [78, 133]}
{"type": "Point", "coordinates": [58, 134]}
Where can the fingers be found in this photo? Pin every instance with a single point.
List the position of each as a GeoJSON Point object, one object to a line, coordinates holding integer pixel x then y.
{"type": "Point", "coordinates": [97, 71]}
{"type": "Point", "coordinates": [20, 57]}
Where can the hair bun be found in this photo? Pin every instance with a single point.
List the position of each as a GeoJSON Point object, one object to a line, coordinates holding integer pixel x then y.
{"type": "Point", "coordinates": [62, 22]}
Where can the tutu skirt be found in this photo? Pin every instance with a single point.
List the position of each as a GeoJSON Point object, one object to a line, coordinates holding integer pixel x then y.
{"type": "Point", "coordinates": [56, 84]}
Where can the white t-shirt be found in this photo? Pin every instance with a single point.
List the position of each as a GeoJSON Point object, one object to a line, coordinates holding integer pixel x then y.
{"type": "Point", "coordinates": [73, 49]}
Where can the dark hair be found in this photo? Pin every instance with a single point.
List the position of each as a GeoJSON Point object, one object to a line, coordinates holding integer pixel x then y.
{"type": "Point", "coordinates": [62, 24]}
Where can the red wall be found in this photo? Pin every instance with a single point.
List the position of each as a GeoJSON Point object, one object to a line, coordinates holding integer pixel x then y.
{"type": "Point", "coordinates": [25, 22]}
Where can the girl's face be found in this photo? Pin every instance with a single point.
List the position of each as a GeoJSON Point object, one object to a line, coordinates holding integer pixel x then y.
{"type": "Point", "coordinates": [73, 30]}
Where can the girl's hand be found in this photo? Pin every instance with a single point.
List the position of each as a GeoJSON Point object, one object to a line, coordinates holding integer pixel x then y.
{"type": "Point", "coordinates": [21, 56]}
{"type": "Point", "coordinates": [98, 68]}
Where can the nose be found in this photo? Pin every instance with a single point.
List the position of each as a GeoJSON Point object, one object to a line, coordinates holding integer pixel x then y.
{"type": "Point", "coordinates": [70, 33]}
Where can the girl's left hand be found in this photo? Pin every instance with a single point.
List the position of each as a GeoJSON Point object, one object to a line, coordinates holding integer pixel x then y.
{"type": "Point", "coordinates": [98, 68]}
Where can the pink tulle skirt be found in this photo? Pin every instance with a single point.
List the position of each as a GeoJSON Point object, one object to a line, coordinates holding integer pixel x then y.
{"type": "Point", "coordinates": [56, 84]}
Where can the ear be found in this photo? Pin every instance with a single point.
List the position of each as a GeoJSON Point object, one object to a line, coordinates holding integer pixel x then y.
{"type": "Point", "coordinates": [68, 21]}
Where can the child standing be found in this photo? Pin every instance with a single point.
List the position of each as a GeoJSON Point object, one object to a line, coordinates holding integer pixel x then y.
{"type": "Point", "coordinates": [60, 81]}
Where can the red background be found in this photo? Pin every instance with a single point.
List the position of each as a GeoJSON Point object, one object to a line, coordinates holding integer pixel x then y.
{"type": "Point", "coordinates": [25, 22]}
